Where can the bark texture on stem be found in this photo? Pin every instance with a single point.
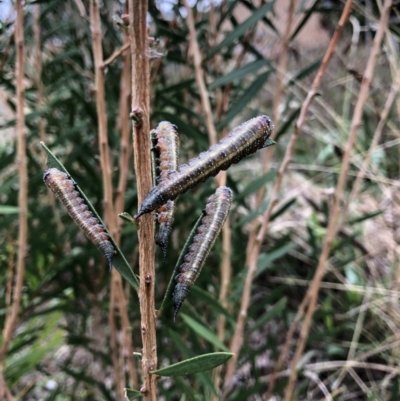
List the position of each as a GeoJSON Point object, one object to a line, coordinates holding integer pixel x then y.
{"type": "Point", "coordinates": [12, 318]}
{"type": "Point", "coordinates": [141, 149]}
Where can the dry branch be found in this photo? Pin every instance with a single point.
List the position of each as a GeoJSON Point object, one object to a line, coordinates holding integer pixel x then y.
{"type": "Point", "coordinates": [141, 149]}
{"type": "Point", "coordinates": [313, 291]}
{"type": "Point", "coordinates": [12, 319]}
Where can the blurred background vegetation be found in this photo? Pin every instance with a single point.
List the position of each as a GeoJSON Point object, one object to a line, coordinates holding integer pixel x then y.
{"type": "Point", "coordinates": [61, 347]}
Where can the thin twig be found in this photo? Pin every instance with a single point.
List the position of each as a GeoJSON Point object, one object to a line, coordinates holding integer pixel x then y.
{"type": "Point", "coordinates": [116, 54]}
{"type": "Point", "coordinates": [126, 151]}
{"type": "Point", "coordinates": [105, 162]}
{"type": "Point", "coordinates": [141, 149]}
{"type": "Point", "coordinates": [226, 267]}
{"type": "Point", "coordinates": [237, 339]}
{"type": "Point", "coordinates": [205, 100]}
{"type": "Point", "coordinates": [285, 164]}
{"type": "Point", "coordinates": [12, 319]}
{"type": "Point", "coordinates": [313, 291]}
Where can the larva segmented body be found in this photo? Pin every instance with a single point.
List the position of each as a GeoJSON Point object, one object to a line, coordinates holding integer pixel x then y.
{"type": "Point", "coordinates": [64, 189]}
{"type": "Point", "coordinates": [241, 142]}
{"type": "Point", "coordinates": [215, 215]}
{"type": "Point", "coordinates": [166, 146]}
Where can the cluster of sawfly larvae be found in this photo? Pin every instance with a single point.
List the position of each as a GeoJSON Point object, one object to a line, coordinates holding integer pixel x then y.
{"type": "Point", "coordinates": [173, 180]}
{"type": "Point", "coordinates": [64, 188]}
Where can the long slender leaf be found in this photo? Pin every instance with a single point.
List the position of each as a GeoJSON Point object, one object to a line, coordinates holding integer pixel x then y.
{"type": "Point", "coordinates": [194, 365]}
{"type": "Point", "coordinates": [119, 260]}
{"type": "Point", "coordinates": [239, 73]}
{"type": "Point", "coordinates": [242, 28]}
{"type": "Point", "coordinates": [247, 96]}
{"type": "Point", "coordinates": [203, 332]}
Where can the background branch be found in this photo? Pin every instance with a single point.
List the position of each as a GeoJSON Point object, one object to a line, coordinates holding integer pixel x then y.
{"type": "Point", "coordinates": [313, 291]}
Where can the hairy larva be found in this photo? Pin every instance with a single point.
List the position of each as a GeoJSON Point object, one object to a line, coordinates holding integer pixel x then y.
{"type": "Point", "coordinates": [215, 215]}
{"type": "Point", "coordinates": [166, 147]}
{"type": "Point", "coordinates": [64, 189]}
{"type": "Point", "coordinates": [242, 141]}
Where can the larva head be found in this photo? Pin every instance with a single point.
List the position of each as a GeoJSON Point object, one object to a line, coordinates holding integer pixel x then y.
{"type": "Point", "coordinates": [178, 296]}
{"type": "Point", "coordinates": [108, 249]}
{"type": "Point", "coordinates": [151, 202]}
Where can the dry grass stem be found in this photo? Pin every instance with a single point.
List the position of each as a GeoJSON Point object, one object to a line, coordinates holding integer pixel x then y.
{"type": "Point", "coordinates": [141, 150]}
{"type": "Point", "coordinates": [205, 101]}
{"type": "Point", "coordinates": [313, 291]}
{"type": "Point", "coordinates": [12, 319]}
{"type": "Point", "coordinates": [254, 244]}
{"type": "Point", "coordinates": [106, 168]}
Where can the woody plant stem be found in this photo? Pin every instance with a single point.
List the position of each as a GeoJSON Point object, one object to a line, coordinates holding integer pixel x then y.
{"type": "Point", "coordinates": [141, 149]}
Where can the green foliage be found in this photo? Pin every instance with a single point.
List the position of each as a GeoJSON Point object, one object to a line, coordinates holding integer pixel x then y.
{"type": "Point", "coordinates": [194, 365]}
{"type": "Point", "coordinates": [63, 332]}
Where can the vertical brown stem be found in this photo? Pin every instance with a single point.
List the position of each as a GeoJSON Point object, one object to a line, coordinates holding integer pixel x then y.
{"type": "Point", "coordinates": [107, 184]}
{"type": "Point", "coordinates": [205, 101]}
{"type": "Point", "coordinates": [141, 149]}
{"type": "Point", "coordinates": [12, 319]}
{"type": "Point", "coordinates": [220, 179]}
{"type": "Point", "coordinates": [331, 231]}
{"type": "Point", "coordinates": [120, 197]}
{"type": "Point", "coordinates": [255, 241]}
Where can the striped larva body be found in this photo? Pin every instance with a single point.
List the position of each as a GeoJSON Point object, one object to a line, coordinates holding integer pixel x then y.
{"type": "Point", "coordinates": [166, 147]}
{"type": "Point", "coordinates": [64, 189]}
{"type": "Point", "coordinates": [215, 215]}
{"type": "Point", "coordinates": [241, 142]}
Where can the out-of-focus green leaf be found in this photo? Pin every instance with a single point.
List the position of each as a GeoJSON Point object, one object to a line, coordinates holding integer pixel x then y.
{"type": "Point", "coordinates": [282, 129]}
{"type": "Point", "coordinates": [249, 94]}
{"type": "Point", "coordinates": [5, 209]}
{"type": "Point", "coordinates": [306, 17]}
{"type": "Point", "coordinates": [131, 394]}
{"type": "Point", "coordinates": [119, 261]}
{"type": "Point", "coordinates": [242, 28]}
{"type": "Point", "coordinates": [204, 332]}
{"type": "Point", "coordinates": [365, 217]}
{"type": "Point", "coordinates": [272, 313]}
{"type": "Point", "coordinates": [208, 299]}
{"type": "Point", "coordinates": [265, 259]}
{"type": "Point", "coordinates": [194, 365]}
{"type": "Point", "coordinates": [239, 73]}
{"type": "Point", "coordinates": [305, 71]}
{"type": "Point", "coordinates": [255, 185]}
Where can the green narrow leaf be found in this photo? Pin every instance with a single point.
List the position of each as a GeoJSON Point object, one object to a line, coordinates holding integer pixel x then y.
{"type": "Point", "coordinates": [178, 264]}
{"type": "Point", "coordinates": [305, 71]}
{"type": "Point", "coordinates": [239, 73]}
{"type": "Point", "coordinates": [275, 310]}
{"type": "Point", "coordinates": [285, 126]}
{"type": "Point", "coordinates": [215, 305]}
{"type": "Point", "coordinates": [131, 394]}
{"type": "Point", "coordinates": [265, 259]}
{"type": "Point", "coordinates": [255, 185]}
{"type": "Point", "coordinates": [6, 209]}
{"type": "Point", "coordinates": [241, 29]}
{"type": "Point", "coordinates": [252, 215]}
{"type": "Point", "coordinates": [306, 17]}
{"type": "Point", "coordinates": [119, 261]}
{"type": "Point", "coordinates": [204, 332]}
{"type": "Point", "coordinates": [247, 96]}
{"type": "Point", "coordinates": [195, 365]}
{"type": "Point", "coordinates": [365, 217]}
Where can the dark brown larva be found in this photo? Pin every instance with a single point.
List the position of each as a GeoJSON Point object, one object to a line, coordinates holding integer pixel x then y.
{"type": "Point", "coordinates": [166, 146]}
{"type": "Point", "coordinates": [242, 141]}
{"type": "Point", "coordinates": [64, 189]}
{"type": "Point", "coordinates": [215, 215]}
